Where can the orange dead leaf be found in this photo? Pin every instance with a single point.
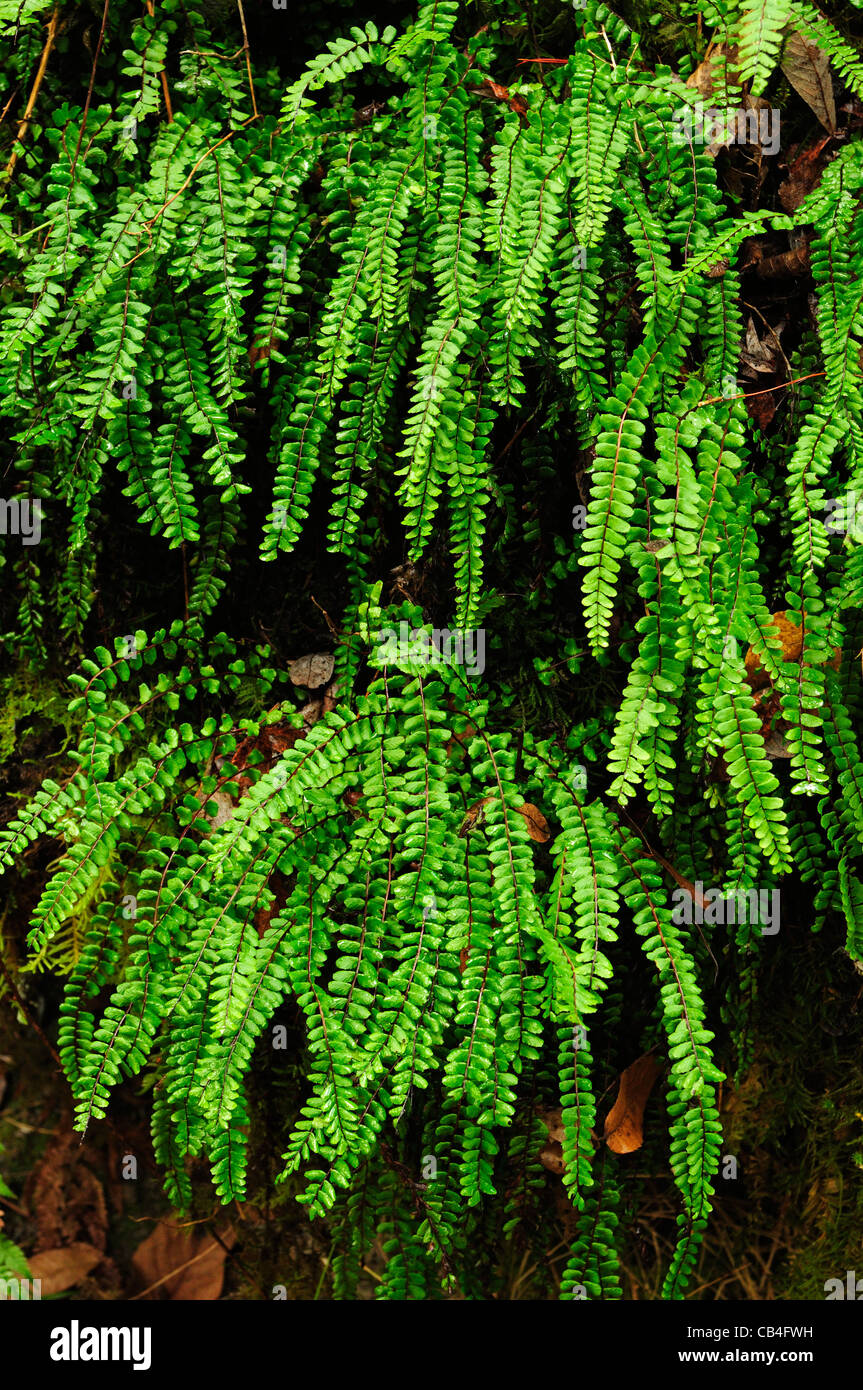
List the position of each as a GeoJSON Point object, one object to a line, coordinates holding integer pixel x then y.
{"type": "Point", "coordinates": [537, 825]}
{"type": "Point", "coordinates": [624, 1124]}
{"type": "Point", "coordinates": [551, 1157]}
{"type": "Point", "coordinates": [62, 1269]}
{"type": "Point", "coordinates": [695, 893]}
{"type": "Point", "coordinates": [792, 649]}
{"type": "Point", "coordinates": [702, 79]}
{"type": "Point", "coordinates": [260, 351]}
{"type": "Point", "coordinates": [460, 740]}
{"type": "Point", "coordinates": [179, 1264]}
{"type": "Point", "coordinates": [494, 89]}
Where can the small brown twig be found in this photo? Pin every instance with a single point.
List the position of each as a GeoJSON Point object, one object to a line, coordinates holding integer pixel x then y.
{"type": "Point", "coordinates": [165, 93]}
{"type": "Point", "coordinates": [34, 90]}
{"type": "Point", "coordinates": [747, 395]}
{"type": "Point", "coordinates": [91, 85]}
{"type": "Point", "coordinates": [248, 61]}
{"type": "Point", "coordinates": [3, 113]}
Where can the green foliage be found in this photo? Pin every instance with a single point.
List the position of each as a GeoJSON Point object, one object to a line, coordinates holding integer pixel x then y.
{"type": "Point", "coordinates": [291, 316]}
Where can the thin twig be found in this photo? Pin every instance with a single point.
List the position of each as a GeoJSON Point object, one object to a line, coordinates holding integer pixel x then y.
{"type": "Point", "coordinates": [8, 104]}
{"type": "Point", "coordinates": [194, 169]}
{"type": "Point", "coordinates": [164, 76]}
{"type": "Point", "coordinates": [34, 90]}
{"type": "Point", "coordinates": [246, 51]}
{"type": "Point", "coordinates": [747, 395]}
{"type": "Point", "coordinates": [91, 85]}
{"type": "Point", "coordinates": [183, 186]}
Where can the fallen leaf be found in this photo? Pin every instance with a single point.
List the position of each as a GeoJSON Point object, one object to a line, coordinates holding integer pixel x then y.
{"type": "Point", "coordinates": [551, 1154]}
{"type": "Point", "coordinates": [792, 650]}
{"type": "Point", "coordinates": [758, 357]}
{"type": "Point", "coordinates": [695, 893]}
{"type": "Point", "coordinates": [761, 406]}
{"type": "Point", "coordinates": [761, 355]}
{"type": "Point", "coordinates": [260, 351]}
{"type": "Point", "coordinates": [551, 1157]}
{"type": "Point", "coordinates": [624, 1124]}
{"type": "Point", "coordinates": [553, 1121]}
{"type": "Point", "coordinates": [702, 79]}
{"type": "Point", "coordinates": [792, 646]}
{"type": "Point", "coordinates": [804, 174]}
{"type": "Point", "coordinates": [311, 713]}
{"type": "Point", "coordinates": [808, 71]}
{"type": "Point", "coordinates": [62, 1269]}
{"type": "Point", "coordinates": [473, 816]}
{"type": "Point", "coordinates": [180, 1264]}
{"type": "Point", "coordinates": [500, 93]}
{"type": "Point", "coordinates": [225, 807]}
{"type": "Point", "coordinates": [537, 825]}
{"type": "Point", "coordinates": [264, 916]}
{"type": "Point", "coordinates": [312, 670]}
{"type": "Point", "coordinates": [790, 264]}
{"type": "Point", "coordinates": [460, 740]}
{"type": "Point", "coordinates": [66, 1197]}
{"type": "Point", "coordinates": [277, 738]}
{"type": "Point", "coordinates": [776, 747]}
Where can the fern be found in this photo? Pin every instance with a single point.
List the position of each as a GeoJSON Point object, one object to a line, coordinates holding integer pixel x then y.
{"type": "Point", "coordinates": [262, 318]}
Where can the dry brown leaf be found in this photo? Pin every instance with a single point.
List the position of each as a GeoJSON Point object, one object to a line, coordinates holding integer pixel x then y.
{"type": "Point", "coordinates": [551, 1155]}
{"type": "Point", "coordinates": [792, 650]}
{"type": "Point", "coordinates": [785, 265]}
{"type": "Point", "coordinates": [761, 354]}
{"type": "Point", "coordinates": [180, 1264]}
{"type": "Point", "coordinates": [473, 816]}
{"type": "Point", "coordinates": [311, 713]}
{"type": "Point", "coordinates": [804, 174]}
{"type": "Point", "coordinates": [624, 1124]}
{"type": "Point", "coordinates": [312, 670]}
{"type": "Point", "coordinates": [517, 104]}
{"type": "Point", "coordinates": [260, 351]}
{"type": "Point", "coordinates": [808, 71]}
{"type": "Point", "coordinates": [775, 746]}
{"type": "Point", "coordinates": [792, 646]}
{"type": "Point", "coordinates": [537, 825]}
{"type": "Point", "coordinates": [702, 79]}
{"type": "Point", "coordinates": [63, 1268]}
{"type": "Point", "coordinates": [694, 892]}
{"type": "Point", "coordinates": [460, 740]}
{"type": "Point", "coordinates": [66, 1198]}
{"type": "Point", "coordinates": [553, 1121]}
{"type": "Point", "coordinates": [225, 807]}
